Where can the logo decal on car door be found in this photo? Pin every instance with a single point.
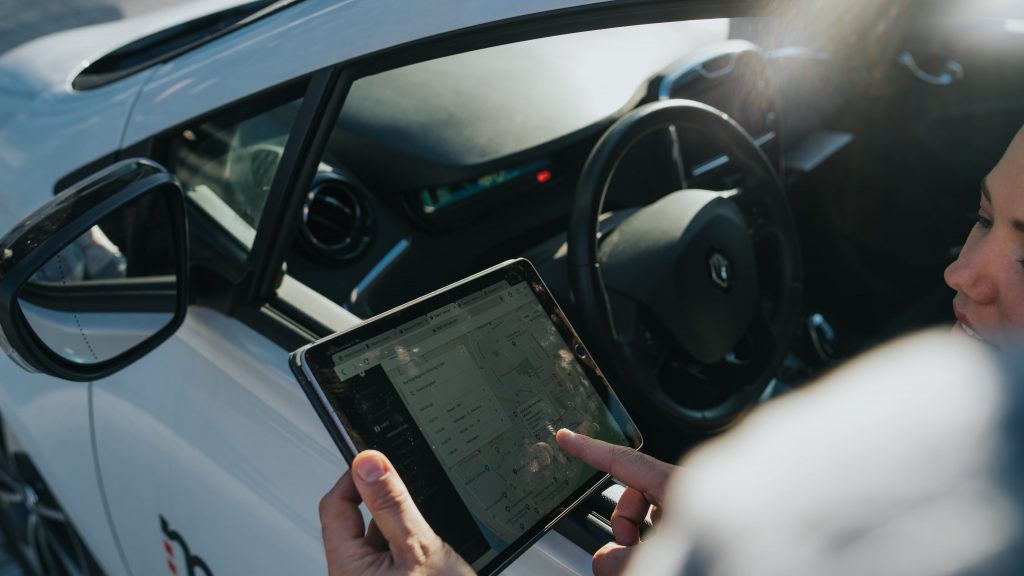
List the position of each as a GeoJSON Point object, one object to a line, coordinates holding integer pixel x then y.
{"type": "Point", "coordinates": [193, 565]}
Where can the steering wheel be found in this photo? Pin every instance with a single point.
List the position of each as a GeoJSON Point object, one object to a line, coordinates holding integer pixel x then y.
{"type": "Point", "coordinates": [695, 297]}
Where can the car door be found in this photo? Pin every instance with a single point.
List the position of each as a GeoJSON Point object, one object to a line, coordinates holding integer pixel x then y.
{"type": "Point", "coordinates": [211, 458]}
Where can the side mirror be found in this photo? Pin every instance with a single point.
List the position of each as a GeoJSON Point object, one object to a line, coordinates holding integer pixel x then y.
{"type": "Point", "coordinates": [98, 276]}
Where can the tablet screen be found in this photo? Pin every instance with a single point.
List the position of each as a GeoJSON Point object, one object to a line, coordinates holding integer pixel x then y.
{"type": "Point", "coordinates": [465, 399]}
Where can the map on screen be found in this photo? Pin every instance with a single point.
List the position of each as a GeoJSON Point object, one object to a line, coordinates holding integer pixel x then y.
{"type": "Point", "coordinates": [486, 382]}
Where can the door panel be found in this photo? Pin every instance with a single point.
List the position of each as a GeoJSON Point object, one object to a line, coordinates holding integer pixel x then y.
{"type": "Point", "coordinates": [212, 434]}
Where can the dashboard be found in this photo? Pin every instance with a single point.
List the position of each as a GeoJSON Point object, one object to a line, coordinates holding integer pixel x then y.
{"type": "Point", "coordinates": [467, 160]}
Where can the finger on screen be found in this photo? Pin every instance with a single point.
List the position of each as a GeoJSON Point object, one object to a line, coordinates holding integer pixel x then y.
{"type": "Point", "coordinates": [632, 468]}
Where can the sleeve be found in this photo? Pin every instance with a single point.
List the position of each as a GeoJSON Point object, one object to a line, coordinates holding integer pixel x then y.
{"type": "Point", "coordinates": [907, 461]}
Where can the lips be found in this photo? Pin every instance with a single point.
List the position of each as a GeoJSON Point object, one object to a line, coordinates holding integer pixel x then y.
{"type": "Point", "coordinates": [965, 325]}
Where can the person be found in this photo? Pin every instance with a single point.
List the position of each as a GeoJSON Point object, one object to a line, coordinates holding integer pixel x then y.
{"type": "Point", "coordinates": [907, 461]}
{"type": "Point", "coordinates": [988, 275]}
{"type": "Point", "coordinates": [821, 528]}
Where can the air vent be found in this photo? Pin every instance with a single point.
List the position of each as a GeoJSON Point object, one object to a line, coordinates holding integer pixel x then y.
{"type": "Point", "coordinates": [337, 221]}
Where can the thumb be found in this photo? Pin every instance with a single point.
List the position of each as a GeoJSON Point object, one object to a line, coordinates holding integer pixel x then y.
{"type": "Point", "coordinates": [395, 514]}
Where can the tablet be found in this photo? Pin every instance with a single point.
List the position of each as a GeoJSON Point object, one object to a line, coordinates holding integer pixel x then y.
{"type": "Point", "coordinates": [463, 390]}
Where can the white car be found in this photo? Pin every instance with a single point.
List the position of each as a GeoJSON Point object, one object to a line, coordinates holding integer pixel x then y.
{"type": "Point", "coordinates": [240, 179]}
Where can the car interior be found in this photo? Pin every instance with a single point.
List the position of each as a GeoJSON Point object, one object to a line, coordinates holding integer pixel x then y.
{"type": "Point", "coordinates": [856, 138]}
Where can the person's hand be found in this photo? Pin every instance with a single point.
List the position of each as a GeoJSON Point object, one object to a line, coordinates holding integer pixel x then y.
{"type": "Point", "coordinates": [399, 540]}
{"type": "Point", "coordinates": [646, 479]}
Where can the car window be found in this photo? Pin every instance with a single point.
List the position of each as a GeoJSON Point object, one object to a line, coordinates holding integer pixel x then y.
{"type": "Point", "coordinates": [453, 141]}
{"type": "Point", "coordinates": [226, 162]}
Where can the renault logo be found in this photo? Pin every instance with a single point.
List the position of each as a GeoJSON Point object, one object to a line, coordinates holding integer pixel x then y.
{"type": "Point", "coordinates": [721, 270]}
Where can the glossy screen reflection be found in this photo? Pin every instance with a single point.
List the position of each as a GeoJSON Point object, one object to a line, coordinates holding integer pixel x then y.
{"type": "Point", "coordinates": [482, 384]}
{"type": "Point", "coordinates": [110, 289]}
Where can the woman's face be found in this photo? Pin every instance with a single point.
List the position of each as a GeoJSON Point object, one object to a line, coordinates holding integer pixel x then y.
{"type": "Point", "coordinates": [988, 276]}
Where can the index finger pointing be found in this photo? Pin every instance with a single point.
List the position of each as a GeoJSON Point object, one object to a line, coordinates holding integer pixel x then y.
{"type": "Point", "coordinates": [632, 468]}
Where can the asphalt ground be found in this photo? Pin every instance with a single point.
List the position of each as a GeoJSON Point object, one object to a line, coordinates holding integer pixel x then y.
{"type": "Point", "coordinates": [24, 20]}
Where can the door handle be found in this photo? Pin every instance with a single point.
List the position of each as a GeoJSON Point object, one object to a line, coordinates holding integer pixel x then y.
{"type": "Point", "coordinates": [952, 71]}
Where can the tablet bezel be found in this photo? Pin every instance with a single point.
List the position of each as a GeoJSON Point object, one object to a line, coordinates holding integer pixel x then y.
{"type": "Point", "coordinates": [312, 364]}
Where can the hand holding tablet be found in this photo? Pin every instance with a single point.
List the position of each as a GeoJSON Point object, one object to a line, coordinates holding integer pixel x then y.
{"type": "Point", "coordinates": [464, 390]}
{"type": "Point", "coordinates": [399, 540]}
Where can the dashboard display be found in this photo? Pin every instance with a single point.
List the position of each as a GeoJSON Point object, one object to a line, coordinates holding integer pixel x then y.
{"type": "Point", "coordinates": [434, 199]}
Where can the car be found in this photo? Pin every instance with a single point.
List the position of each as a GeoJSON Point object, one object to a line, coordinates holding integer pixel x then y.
{"type": "Point", "coordinates": [728, 198]}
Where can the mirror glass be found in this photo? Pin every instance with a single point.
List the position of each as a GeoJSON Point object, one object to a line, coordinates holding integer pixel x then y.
{"type": "Point", "coordinates": [111, 288]}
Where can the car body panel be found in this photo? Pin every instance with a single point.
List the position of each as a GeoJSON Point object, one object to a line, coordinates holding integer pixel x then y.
{"type": "Point", "coordinates": [49, 64]}
{"type": "Point", "coordinates": [46, 131]}
{"type": "Point", "coordinates": [212, 433]}
{"type": "Point", "coordinates": [51, 420]}
{"type": "Point", "coordinates": [40, 112]}
{"type": "Point", "coordinates": [67, 129]}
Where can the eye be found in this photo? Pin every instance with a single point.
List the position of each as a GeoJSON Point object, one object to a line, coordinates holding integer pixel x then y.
{"type": "Point", "coordinates": [981, 220]}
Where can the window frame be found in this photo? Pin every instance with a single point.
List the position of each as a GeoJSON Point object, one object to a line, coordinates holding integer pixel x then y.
{"type": "Point", "coordinates": [230, 290]}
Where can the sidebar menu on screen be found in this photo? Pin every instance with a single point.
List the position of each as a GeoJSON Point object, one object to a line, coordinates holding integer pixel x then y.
{"type": "Point", "coordinates": [387, 426]}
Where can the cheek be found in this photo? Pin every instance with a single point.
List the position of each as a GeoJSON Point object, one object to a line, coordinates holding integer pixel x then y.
{"type": "Point", "coordinates": [1012, 297]}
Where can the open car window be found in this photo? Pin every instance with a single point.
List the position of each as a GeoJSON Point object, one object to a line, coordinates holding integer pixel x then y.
{"type": "Point", "coordinates": [226, 162]}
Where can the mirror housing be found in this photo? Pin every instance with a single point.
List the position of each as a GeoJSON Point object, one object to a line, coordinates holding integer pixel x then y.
{"type": "Point", "coordinates": [41, 243]}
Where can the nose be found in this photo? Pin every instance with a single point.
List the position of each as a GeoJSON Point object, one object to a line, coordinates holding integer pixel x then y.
{"type": "Point", "coordinates": [973, 273]}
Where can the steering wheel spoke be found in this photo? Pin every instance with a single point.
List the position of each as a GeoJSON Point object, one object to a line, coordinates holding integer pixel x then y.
{"type": "Point", "coordinates": [755, 211]}
{"type": "Point", "coordinates": [635, 329]}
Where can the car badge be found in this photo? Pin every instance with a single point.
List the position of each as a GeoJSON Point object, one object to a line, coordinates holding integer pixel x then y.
{"type": "Point", "coordinates": [721, 270]}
